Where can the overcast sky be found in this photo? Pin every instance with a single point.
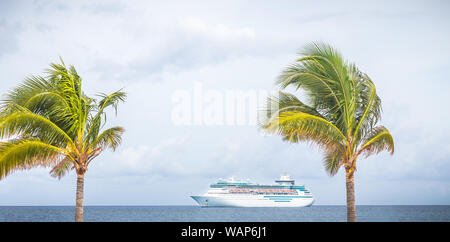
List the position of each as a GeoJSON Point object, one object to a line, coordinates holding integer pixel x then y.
{"type": "Point", "coordinates": [153, 48]}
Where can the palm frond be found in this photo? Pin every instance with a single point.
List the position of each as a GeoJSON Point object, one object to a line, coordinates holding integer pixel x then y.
{"type": "Point", "coordinates": [368, 106]}
{"type": "Point", "coordinates": [324, 76]}
{"type": "Point", "coordinates": [62, 168]}
{"type": "Point", "coordinates": [33, 125]}
{"type": "Point", "coordinates": [378, 140]}
{"type": "Point", "coordinates": [93, 127]}
{"type": "Point", "coordinates": [95, 122]}
{"type": "Point", "coordinates": [333, 160]}
{"type": "Point", "coordinates": [284, 102]}
{"type": "Point", "coordinates": [112, 99]}
{"type": "Point", "coordinates": [27, 154]}
{"type": "Point", "coordinates": [295, 126]}
{"type": "Point", "coordinates": [25, 91]}
{"type": "Point", "coordinates": [109, 139]}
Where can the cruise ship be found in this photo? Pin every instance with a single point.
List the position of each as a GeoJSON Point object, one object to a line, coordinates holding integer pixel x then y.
{"type": "Point", "coordinates": [241, 193]}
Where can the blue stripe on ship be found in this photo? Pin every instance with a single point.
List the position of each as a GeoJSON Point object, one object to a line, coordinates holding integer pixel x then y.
{"type": "Point", "coordinates": [283, 196]}
{"type": "Point", "coordinates": [287, 197]}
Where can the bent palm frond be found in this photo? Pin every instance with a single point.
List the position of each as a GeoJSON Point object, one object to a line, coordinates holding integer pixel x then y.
{"type": "Point", "coordinates": [109, 139]}
{"type": "Point", "coordinates": [284, 102]}
{"type": "Point", "coordinates": [112, 99]}
{"type": "Point", "coordinates": [27, 154]}
{"type": "Point", "coordinates": [294, 126]}
{"type": "Point", "coordinates": [33, 125]}
{"type": "Point", "coordinates": [333, 160]}
{"type": "Point", "coordinates": [30, 87]}
{"type": "Point", "coordinates": [94, 122]}
{"type": "Point", "coordinates": [62, 168]}
{"type": "Point", "coordinates": [378, 140]}
{"type": "Point", "coordinates": [324, 77]}
{"type": "Point", "coordinates": [368, 106]}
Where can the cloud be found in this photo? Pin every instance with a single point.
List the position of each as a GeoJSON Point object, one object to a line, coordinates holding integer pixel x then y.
{"type": "Point", "coordinates": [103, 7]}
{"type": "Point", "coordinates": [174, 157]}
{"type": "Point", "coordinates": [9, 35]}
{"type": "Point", "coordinates": [166, 157]}
{"type": "Point", "coordinates": [186, 43]}
{"type": "Point", "coordinates": [217, 32]}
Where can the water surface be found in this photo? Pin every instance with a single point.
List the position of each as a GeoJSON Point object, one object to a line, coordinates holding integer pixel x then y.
{"type": "Point", "coordinates": [316, 213]}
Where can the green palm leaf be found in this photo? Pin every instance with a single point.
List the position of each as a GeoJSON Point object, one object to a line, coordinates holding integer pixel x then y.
{"type": "Point", "coordinates": [302, 126]}
{"type": "Point", "coordinates": [110, 138]}
{"type": "Point", "coordinates": [285, 102]}
{"type": "Point", "coordinates": [62, 168]}
{"type": "Point", "coordinates": [112, 99]}
{"type": "Point", "coordinates": [378, 140]}
{"type": "Point", "coordinates": [33, 125]}
{"type": "Point", "coordinates": [27, 154]}
{"type": "Point", "coordinates": [333, 160]}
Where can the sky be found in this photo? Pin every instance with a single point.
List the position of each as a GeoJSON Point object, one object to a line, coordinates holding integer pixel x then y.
{"type": "Point", "coordinates": [156, 49]}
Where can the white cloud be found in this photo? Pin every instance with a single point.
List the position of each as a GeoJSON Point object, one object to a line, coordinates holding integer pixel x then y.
{"type": "Point", "coordinates": [166, 157]}
{"type": "Point", "coordinates": [216, 32]}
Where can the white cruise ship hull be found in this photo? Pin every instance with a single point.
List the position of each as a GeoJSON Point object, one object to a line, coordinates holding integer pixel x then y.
{"type": "Point", "coordinates": [254, 201]}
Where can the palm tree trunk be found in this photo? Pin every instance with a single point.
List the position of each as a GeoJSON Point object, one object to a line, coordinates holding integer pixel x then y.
{"type": "Point", "coordinates": [79, 198]}
{"type": "Point", "coordinates": [351, 209]}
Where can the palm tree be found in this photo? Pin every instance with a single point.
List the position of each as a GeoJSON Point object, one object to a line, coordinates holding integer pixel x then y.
{"type": "Point", "coordinates": [340, 115]}
{"type": "Point", "coordinates": [50, 122]}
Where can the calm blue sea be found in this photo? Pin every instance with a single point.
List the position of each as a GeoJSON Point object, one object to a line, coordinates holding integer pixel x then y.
{"type": "Point", "coordinates": [196, 214]}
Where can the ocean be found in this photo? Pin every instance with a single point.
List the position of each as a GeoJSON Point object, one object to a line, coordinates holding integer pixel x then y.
{"type": "Point", "coordinates": [316, 213]}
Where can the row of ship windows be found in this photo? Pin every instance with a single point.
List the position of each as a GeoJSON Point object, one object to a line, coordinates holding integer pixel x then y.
{"type": "Point", "coordinates": [275, 193]}
{"type": "Point", "coordinates": [257, 187]}
{"type": "Point", "coordinates": [263, 190]}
